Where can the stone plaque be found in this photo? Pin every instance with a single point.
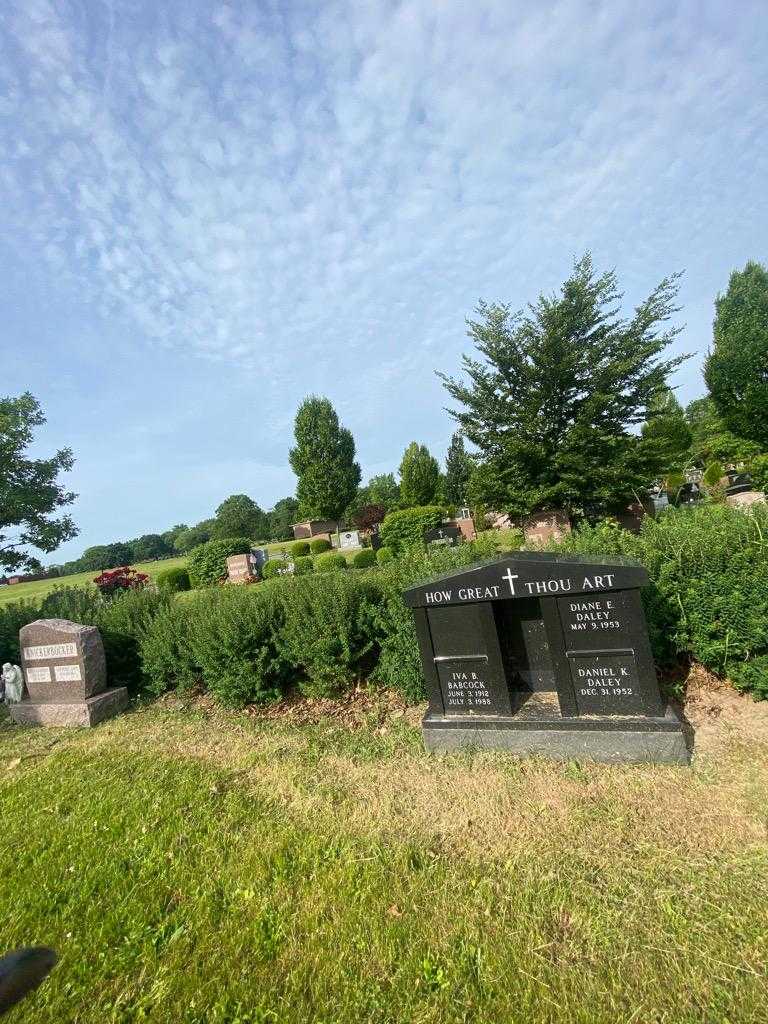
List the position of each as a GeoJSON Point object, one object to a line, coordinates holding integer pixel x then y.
{"type": "Point", "coordinates": [606, 683]}
{"type": "Point", "coordinates": [467, 688]}
{"type": "Point", "coordinates": [600, 621]}
{"type": "Point", "coordinates": [62, 660]}
{"type": "Point", "coordinates": [349, 539]}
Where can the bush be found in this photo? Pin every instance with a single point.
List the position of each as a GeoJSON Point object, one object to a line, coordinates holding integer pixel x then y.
{"type": "Point", "coordinates": [300, 549]}
{"type": "Point", "coordinates": [405, 529]}
{"type": "Point", "coordinates": [173, 581]}
{"type": "Point", "coordinates": [384, 555]}
{"type": "Point", "coordinates": [709, 595]}
{"type": "Point", "coordinates": [208, 562]}
{"type": "Point", "coordinates": [114, 581]}
{"type": "Point", "coordinates": [319, 545]}
{"type": "Point", "coordinates": [331, 561]}
{"type": "Point", "coordinates": [12, 617]}
{"type": "Point", "coordinates": [235, 638]}
{"type": "Point", "coordinates": [328, 631]}
{"type": "Point", "coordinates": [165, 648]}
{"type": "Point", "coordinates": [758, 470]}
{"type": "Point", "coordinates": [275, 567]}
{"type": "Point", "coordinates": [364, 559]}
{"type": "Point", "coordinates": [303, 565]}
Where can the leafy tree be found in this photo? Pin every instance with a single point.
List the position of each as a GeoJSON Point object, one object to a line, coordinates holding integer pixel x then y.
{"type": "Point", "coordinates": [323, 460]}
{"type": "Point", "coordinates": [666, 433]}
{"type": "Point", "coordinates": [458, 470]}
{"type": "Point", "coordinates": [736, 370]}
{"type": "Point", "coordinates": [148, 547]}
{"type": "Point", "coordinates": [369, 516]}
{"type": "Point", "coordinates": [711, 438]}
{"type": "Point", "coordinates": [29, 490]}
{"type": "Point", "coordinates": [550, 403]}
{"type": "Point", "coordinates": [419, 476]}
{"type": "Point", "coordinates": [169, 536]}
{"type": "Point", "coordinates": [240, 516]}
{"type": "Point", "coordinates": [104, 556]}
{"type": "Point", "coordinates": [383, 490]}
{"type": "Point", "coordinates": [282, 517]}
{"type": "Point", "coordinates": [194, 536]}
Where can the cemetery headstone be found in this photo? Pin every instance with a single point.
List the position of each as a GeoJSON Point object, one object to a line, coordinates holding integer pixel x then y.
{"type": "Point", "coordinates": [242, 568]}
{"type": "Point", "coordinates": [547, 654]}
{"type": "Point", "coordinates": [447, 536]}
{"type": "Point", "coordinates": [66, 677]}
{"type": "Point", "coordinates": [349, 539]}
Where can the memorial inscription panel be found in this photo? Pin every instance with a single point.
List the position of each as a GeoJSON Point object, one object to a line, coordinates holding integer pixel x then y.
{"type": "Point", "coordinates": [62, 660]}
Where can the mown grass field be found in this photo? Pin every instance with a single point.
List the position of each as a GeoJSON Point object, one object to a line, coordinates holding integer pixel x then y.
{"type": "Point", "coordinates": [196, 866]}
{"type": "Point", "coordinates": [38, 590]}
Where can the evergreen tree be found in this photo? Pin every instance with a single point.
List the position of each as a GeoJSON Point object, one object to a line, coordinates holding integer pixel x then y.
{"type": "Point", "coordinates": [550, 404]}
{"type": "Point", "coordinates": [666, 433]}
{"type": "Point", "coordinates": [30, 493]}
{"type": "Point", "coordinates": [240, 516]}
{"type": "Point", "coordinates": [458, 469]}
{"type": "Point", "coordinates": [419, 476]}
{"type": "Point", "coordinates": [736, 370]}
{"type": "Point", "coordinates": [323, 460]}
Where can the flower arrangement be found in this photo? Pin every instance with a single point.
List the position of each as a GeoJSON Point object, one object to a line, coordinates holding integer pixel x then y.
{"type": "Point", "coordinates": [112, 581]}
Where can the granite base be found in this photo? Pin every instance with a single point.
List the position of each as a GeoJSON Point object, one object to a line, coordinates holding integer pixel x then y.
{"type": "Point", "coordinates": [81, 713]}
{"type": "Point", "coordinates": [614, 740]}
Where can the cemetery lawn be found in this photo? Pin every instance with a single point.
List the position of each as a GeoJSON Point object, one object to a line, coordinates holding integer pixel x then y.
{"type": "Point", "coordinates": [192, 865]}
{"type": "Point", "coordinates": [37, 590]}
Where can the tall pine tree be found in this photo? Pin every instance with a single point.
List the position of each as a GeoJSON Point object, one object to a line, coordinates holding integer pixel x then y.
{"type": "Point", "coordinates": [323, 460]}
{"type": "Point", "coordinates": [550, 402]}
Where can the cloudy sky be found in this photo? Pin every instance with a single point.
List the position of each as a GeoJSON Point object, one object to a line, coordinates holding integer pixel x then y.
{"type": "Point", "coordinates": [210, 209]}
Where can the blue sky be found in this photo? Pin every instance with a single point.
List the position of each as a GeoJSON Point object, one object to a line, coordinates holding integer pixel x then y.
{"type": "Point", "coordinates": [211, 209]}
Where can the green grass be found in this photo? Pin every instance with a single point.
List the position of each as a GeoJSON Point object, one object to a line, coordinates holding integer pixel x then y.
{"type": "Point", "coordinates": [194, 867]}
{"type": "Point", "coordinates": [37, 591]}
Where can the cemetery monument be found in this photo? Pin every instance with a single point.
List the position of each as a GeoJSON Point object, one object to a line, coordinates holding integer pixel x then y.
{"type": "Point", "coordinates": [545, 654]}
{"type": "Point", "coordinates": [66, 676]}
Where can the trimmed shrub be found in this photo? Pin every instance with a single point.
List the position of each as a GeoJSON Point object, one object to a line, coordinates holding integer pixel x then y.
{"type": "Point", "coordinates": [709, 595]}
{"type": "Point", "coordinates": [331, 561]}
{"type": "Point", "coordinates": [364, 559]}
{"type": "Point", "coordinates": [166, 648]}
{"type": "Point", "coordinates": [173, 581]}
{"type": "Point", "coordinates": [273, 568]}
{"type": "Point", "coordinates": [329, 632]}
{"type": "Point", "coordinates": [384, 555]}
{"type": "Point", "coordinates": [235, 638]}
{"type": "Point", "coordinates": [12, 617]}
{"type": "Point", "coordinates": [208, 562]}
{"type": "Point", "coordinates": [319, 545]}
{"type": "Point", "coordinates": [300, 549]}
{"type": "Point", "coordinates": [405, 529]}
{"type": "Point", "coordinates": [303, 565]}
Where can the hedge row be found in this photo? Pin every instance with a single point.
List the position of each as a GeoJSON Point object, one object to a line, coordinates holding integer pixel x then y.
{"type": "Point", "coordinates": [708, 600]}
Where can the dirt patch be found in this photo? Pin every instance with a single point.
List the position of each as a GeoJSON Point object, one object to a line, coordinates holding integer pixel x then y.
{"type": "Point", "coordinates": [721, 715]}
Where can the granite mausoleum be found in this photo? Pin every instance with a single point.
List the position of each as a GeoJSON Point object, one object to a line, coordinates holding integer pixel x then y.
{"type": "Point", "coordinates": [546, 654]}
{"type": "Point", "coordinates": [66, 676]}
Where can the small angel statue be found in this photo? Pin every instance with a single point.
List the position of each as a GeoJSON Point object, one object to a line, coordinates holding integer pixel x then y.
{"type": "Point", "coordinates": [13, 683]}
